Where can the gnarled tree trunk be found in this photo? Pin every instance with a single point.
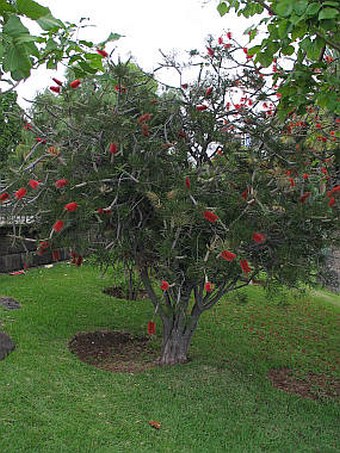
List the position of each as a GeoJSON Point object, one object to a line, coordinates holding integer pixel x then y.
{"type": "Point", "coordinates": [177, 335]}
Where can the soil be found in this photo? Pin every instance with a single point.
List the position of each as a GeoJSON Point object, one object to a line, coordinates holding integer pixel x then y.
{"type": "Point", "coordinates": [9, 303]}
{"type": "Point", "coordinates": [6, 345]}
{"type": "Point", "coordinates": [311, 385]}
{"type": "Point", "coordinates": [120, 293]}
{"type": "Point", "coordinates": [114, 351]}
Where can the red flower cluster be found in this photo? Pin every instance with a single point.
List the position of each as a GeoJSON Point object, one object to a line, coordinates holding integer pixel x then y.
{"type": "Point", "coordinates": [187, 182]}
{"type": "Point", "coordinates": [113, 148]}
{"type": "Point", "coordinates": [245, 266]}
{"type": "Point", "coordinates": [33, 184]}
{"type": "Point", "coordinates": [56, 256]}
{"type": "Point", "coordinates": [208, 91]}
{"type": "Point", "coordinates": [75, 83]}
{"type": "Point", "coordinates": [210, 216]}
{"type": "Point", "coordinates": [305, 197]}
{"type": "Point", "coordinates": [144, 118]}
{"type": "Point", "coordinates": [4, 197]}
{"type": "Point", "coordinates": [260, 238]}
{"type": "Point", "coordinates": [76, 259]}
{"type": "Point", "coordinates": [20, 193]}
{"type": "Point", "coordinates": [104, 211]}
{"type": "Point", "coordinates": [60, 183]}
{"type": "Point", "coordinates": [228, 256]}
{"type": "Point", "coordinates": [201, 108]}
{"type": "Point", "coordinates": [58, 226]}
{"type": "Point", "coordinates": [164, 285]}
{"type": "Point", "coordinates": [55, 89]}
{"type": "Point", "coordinates": [71, 207]}
{"type": "Point", "coordinates": [209, 287]}
{"type": "Point", "coordinates": [57, 81]}
{"type": "Point", "coordinates": [42, 247]}
{"type": "Point", "coordinates": [151, 328]}
{"type": "Point", "coordinates": [102, 53]}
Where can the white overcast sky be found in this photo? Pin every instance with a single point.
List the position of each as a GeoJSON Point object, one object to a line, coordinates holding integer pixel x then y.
{"type": "Point", "coordinates": [148, 25]}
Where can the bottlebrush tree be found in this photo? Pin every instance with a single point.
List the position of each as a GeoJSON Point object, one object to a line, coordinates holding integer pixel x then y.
{"type": "Point", "coordinates": [202, 188]}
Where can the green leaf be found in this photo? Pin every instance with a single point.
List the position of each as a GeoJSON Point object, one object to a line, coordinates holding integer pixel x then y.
{"type": "Point", "coordinates": [300, 6]}
{"type": "Point", "coordinates": [17, 62]}
{"type": "Point", "coordinates": [14, 27]}
{"type": "Point", "coordinates": [223, 9]}
{"type": "Point", "coordinates": [284, 28]}
{"type": "Point", "coordinates": [6, 7]}
{"type": "Point", "coordinates": [284, 8]}
{"type": "Point", "coordinates": [254, 50]}
{"type": "Point", "coordinates": [32, 9]}
{"type": "Point", "coordinates": [288, 50]}
{"type": "Point", "coordinates": [112, 37]}
{"type": "Point", "coordinates": [264, 58]}
{"type": "Point", "coordinates": [49, 23]}
{"type": "Point", "coordinates": [312, 9]}
{"type": "Point", "coordinates": [328, 13]}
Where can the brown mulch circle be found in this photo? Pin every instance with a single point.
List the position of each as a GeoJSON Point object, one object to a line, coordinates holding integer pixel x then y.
{"type": "Point", "coordinates": [311, 385]}
{"type": "Point", "coordinates": [9, 303]}
{"type": "Point", "coordinates": [114, 351]}
{"type": "Point", "coordinates": [120, 293]}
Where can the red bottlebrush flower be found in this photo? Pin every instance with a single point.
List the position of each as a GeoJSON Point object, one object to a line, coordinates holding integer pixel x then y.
{"type": "Point", "coordinates": [79, 260]}
{"type": "Point", "coordinates": [182, 134]}
{"type": "Point", "coordinates": [245, 50]}
{"type": "Point", "coordinates": [335, 190]}
{"type": "Point", "coordinates": [27, 126]}
{"type": "Point", "coordinates": [56, 255]}
{"type": "Point", "coordinates": [57, 81]}
{"type": "Point", "coordinates": [279, 95]}
{"type": "Point", "coordinates": [20, 193]}
{"type": "Point", "coordinates": [291, 182]}
{"type": "Point", "coordinates": [60, 183]}
{"type": "Point", "coordinates": [33, 184]}
{"type": "Point", "coordinates": [209, 287]}
{"type": "Point", "coordinates": [324, 171]}
{"type": "Point", "coordinates": [210, 216]}
{"type": "Point", "coordinates": [228, 256]}
{"type": "Point", "coordinates": [104, 211]}
{"type": "Point", "coordinates": [237, 106]}
{"type": "Point", "coordinates": [245, 266]}
{"type": "Point", "coordinates": [102, 53]}
{"type": "Point", "coordinates": [220, 40]}
{"type": "Point", "coordinates": [4, 197]}
{"type": "Point", "coordinates": [55, 89]}
{"type": "Point", "coordinates": [332, 133]}
{"type": "Point", "coordinates": [58, 226]}
{"type": "Point", "coordinates": [184, 86]}
{"type": "Point", "coordinates": [151, 328]}
{"type": "Point", "coordinates": [40, 140]}
{"type": "Point", "coordinates": [244, 194]}
{"type": "Point", "coordinates": [229, 35]}
{"type": "Point", "coordinates": [187, 182]}
{"type": "Point", "coordinates": [288, 172]}
{"type": "Point", "coordinates": [100, 211]}
{"type": "Point", "coordinates": [227, 46]}
{"type": "Point", "coordinates": [113, 148]}
{"type": "Point", "coordinates": [75, 83]}
{"type": "Point", "coordinates": [43, 246]}
{"type": "Point", "coordinates": [305, 176]}
{"type": "Point", "coordinates": [71, 207]}
{"type": "Point", "coordinates": [210, 51]}
{"type": "Point", "coordinates": [331, 202]}
{"type": "Point", "coordinates": [144, 118]}
{"type": "Point", "coordinates": [145, 130]}
{"type": "Point", "coordinates": [201, 107]}
{"type": "Point", "coordinates": [250, 102]}
{"type": "Point", "coordinates": [318, 126]}
{"type": "Point", "coordinates": [329, 59]}
{"type": "Point", "coordinates": [208, 91]}
{"type": "Point", "coordinates": [164, 285]}
{"type": "Point", "coordinates": [120, 88]}
{"type": "Point", "coordinates": [260, 238]}
{"type": "Point", "coordinates": [304, 197]}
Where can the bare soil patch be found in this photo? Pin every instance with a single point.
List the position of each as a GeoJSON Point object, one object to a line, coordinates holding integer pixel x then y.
{"type": "Point", "coordinates": [9, 303]}
{"type": "Point", "coordinates": [114, 351]}
{"type": "Point", "coordinates": [311, 385]}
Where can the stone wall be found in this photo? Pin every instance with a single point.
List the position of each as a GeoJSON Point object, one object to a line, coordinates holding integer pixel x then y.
{"type": "Point", "coordinates": [18, 255]}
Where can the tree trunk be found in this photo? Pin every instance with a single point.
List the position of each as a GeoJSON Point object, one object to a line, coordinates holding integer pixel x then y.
{"type": "Point", "coordinates": [177, 335]}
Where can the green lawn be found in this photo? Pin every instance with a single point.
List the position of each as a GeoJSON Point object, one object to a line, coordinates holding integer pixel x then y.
{"type": "Point", "coordinates": [221, 401]}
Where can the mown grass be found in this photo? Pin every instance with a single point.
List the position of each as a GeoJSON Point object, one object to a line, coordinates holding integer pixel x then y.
{"type": "Point", "coordinates": [221, 401]}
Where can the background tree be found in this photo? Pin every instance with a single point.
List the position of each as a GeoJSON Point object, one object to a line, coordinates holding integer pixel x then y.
{"type": "Point", "coordinates": [301, 45]}
{"type": "Point", "coordinates": [21, 51]}
{"type": "Point", "coordinates": [10, 126]}
{"type": "Point", "coordinates": [202, 189]}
